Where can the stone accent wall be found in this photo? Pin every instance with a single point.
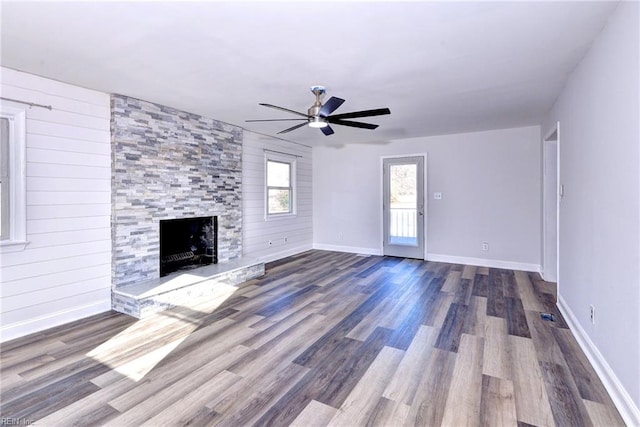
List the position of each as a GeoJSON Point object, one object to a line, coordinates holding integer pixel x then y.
{"type": "Point", "coordinates": [169, 164]}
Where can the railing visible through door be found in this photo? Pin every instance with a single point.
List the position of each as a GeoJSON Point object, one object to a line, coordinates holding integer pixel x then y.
{"type": "Point", "coordinates": [403, 222]}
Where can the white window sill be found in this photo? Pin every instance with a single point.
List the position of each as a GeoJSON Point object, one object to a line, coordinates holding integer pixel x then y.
{"type": "Point", "coordinates": [7, 246]}
{"type": "Point", "coordinates": [275, 217]}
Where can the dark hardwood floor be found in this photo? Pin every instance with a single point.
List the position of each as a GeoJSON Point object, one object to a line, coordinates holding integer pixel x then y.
{"type": "Point", "coordinates": [322, 339]}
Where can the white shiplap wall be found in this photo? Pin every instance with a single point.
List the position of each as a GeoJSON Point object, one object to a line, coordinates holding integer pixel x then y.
{"type": "Point", "coordinates": [65, 271]}
{"type": "Point", "coordinates": [256, 230]}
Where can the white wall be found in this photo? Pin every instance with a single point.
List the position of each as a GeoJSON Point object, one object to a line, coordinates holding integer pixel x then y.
{"type": "Point", "coordinates": [65, 271]}
{"type": "Point", "coordinates": [599, 114]}
{"type": "Point", "coordinates": [490, 184]}
{"type": "Point", "coordinates": [256, 230]}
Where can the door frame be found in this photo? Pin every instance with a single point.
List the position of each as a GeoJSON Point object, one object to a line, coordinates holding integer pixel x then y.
{"type": "Point", "coordinates": [551, 137]}
{"type": "Point", "coordinates": [425, 197]}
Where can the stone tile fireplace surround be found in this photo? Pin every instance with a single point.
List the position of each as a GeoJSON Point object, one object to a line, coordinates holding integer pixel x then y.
{"type": "Point", "coordinates": [169, 164]}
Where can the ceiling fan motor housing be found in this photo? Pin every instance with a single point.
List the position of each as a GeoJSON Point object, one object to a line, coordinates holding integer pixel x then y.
{"type": "Point", "coordinates": [314, 110]}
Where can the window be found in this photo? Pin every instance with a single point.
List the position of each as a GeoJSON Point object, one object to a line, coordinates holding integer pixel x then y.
{"type": "Point", "coordinates": [280, 189]}
{"type": "Point", "coordinates": [12, 179]}
{"type": "Point", "coordinates": [4, 178]}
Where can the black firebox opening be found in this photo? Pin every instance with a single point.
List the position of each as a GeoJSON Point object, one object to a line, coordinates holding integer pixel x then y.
{"type": "Point", "coordinates": [188, 243]}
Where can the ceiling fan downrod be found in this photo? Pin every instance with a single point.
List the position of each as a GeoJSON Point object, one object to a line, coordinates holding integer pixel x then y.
{"type": "Point", "coordinates": [315, 120]}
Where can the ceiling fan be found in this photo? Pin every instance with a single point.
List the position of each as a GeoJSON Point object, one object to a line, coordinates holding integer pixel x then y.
{"type": "Point", "coordinates": [319, 114]}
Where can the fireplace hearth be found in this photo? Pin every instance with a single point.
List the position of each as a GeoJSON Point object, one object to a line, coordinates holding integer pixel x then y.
{"type": "Point", "coordinates": [188, 243]}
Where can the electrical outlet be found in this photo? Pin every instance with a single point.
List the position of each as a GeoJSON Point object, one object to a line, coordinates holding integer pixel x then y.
{"type": "Point", "coordinates": [437, 196]}
{"type": "Point", "coordinates": [592, 314]}
{"type": "Point", "coordinates": [485, 246]}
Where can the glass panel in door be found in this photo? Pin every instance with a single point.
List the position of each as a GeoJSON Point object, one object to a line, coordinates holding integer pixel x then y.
{"type": "Point", "coordinates": [403, 205]}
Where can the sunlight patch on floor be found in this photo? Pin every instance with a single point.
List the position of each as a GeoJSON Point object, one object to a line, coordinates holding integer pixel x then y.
{"type": "Point", "coordinates": [138, 368]}
{"type": "Point", "coordinates": [135, 351]}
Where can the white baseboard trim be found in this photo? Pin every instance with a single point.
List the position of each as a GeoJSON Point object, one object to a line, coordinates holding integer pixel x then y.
{"type": "Point", "coordinates": [20, 329]}
{"type": "Point", "coordinates": [624, 403]}
{"type": "Point", "coordinates": [437, 258]}
{"type": "Point", "coordinates": [548, 277]}
{"type": "Point", "coordinates": [283, 254]}
{"type": "Point", "coordinates": [349, 249]}
{"type": "Point", "coordinates": [481, 262]}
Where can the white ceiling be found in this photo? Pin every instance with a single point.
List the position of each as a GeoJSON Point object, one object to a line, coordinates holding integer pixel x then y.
{"type": "Point", "coordinates": [441, 67]}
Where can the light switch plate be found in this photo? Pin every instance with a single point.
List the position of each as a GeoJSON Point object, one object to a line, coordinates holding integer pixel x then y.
{"type": "Point", "coordinates": [437, 196]}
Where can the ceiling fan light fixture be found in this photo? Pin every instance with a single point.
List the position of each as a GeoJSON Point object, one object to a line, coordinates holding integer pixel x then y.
{"type": "Point", "coordinates": [317, 122]}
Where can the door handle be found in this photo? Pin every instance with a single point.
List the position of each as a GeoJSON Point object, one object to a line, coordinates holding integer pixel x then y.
{"type": "Point", "coordinates": [420, 213]}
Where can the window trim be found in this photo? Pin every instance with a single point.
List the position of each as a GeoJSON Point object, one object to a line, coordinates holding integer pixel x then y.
{"type": "Point", "coordinates": [17, 238]}
{"type": "Point", "coordinates": [291, 161]}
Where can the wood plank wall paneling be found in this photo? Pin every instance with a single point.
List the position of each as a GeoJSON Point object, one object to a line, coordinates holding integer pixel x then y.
{"type": "Point", "coordinates": [65, 271]}
{"type": "Point", "coordinates": [256, 230]}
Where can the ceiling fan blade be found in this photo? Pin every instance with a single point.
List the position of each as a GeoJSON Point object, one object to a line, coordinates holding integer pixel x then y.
{"type": "Point", "coordinates": [283, 109]}
{"type": "Point", "coordinates": [330, 106]}
{"type": "Point", "coordinates": [292, 128]}
{"type": "Point", "coordinates": [327, 130]}
{"type": "Point", "coordinates": [352, 124]}
{"type": "Point", "coordinates": [364, 113]}
{"type": "Point", "coordinates": [272, 120]}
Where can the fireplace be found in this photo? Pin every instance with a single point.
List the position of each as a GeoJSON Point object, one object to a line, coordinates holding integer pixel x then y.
{"type": "Point", "coordinates": [188, 243]}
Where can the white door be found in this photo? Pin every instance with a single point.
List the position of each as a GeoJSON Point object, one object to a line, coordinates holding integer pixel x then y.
{"type": "Point", "coordinates": [550, 204]}
{"type": "Point", "coordinates": [403, 207]}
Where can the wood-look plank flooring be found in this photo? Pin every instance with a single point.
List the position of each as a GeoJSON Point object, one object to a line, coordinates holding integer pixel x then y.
{"type": "Point", "coordinates": [322, 339]}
